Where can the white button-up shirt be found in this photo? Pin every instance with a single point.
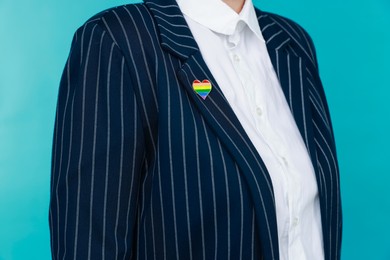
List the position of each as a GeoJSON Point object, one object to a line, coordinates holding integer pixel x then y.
{"type": "Point", "coordinates": [235, 52]}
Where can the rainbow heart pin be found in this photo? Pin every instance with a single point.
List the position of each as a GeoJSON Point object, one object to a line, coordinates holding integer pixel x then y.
{"type": "Point", "coordinates": [203, 88]}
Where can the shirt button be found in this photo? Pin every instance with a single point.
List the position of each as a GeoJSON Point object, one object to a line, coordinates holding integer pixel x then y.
{"type": "Point", "coordinates": [259, 111]}
{"type": "Point", "coordinates": [284, 160]}
{"type": "Point", "coordinates": [295, 222]}
{"type": "Point", "coordinates": [236, 58]}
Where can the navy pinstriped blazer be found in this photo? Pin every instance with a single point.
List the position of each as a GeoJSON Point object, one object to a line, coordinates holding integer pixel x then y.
{"type": "Point", "coordinates": [143, 168]}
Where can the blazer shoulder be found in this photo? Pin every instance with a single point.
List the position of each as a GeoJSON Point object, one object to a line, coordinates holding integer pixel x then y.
{"type": "Point", "coordinates": [296, 32]}
{"type": "Point", "coordinates": [120, 22]}
{"type": "Point", "coordinates": [119, 12]}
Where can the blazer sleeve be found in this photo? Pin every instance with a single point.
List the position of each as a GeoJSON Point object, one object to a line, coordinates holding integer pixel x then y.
{"type": "Point", "coordinates": [98, 153]}
{"type": "Point", "coordinates": [320, 88]}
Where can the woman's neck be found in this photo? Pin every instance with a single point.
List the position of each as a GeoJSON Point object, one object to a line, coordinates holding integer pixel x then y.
{"type": "Point", "coordinates": [236, 5]}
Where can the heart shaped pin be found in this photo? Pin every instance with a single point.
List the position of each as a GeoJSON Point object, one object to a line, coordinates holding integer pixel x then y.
{"type": "Point", "coordinates": [203, 88]}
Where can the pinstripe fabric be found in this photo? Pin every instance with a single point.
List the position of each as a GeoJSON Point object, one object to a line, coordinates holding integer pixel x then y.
{"type": "Point", "coordinates": [143, 168]}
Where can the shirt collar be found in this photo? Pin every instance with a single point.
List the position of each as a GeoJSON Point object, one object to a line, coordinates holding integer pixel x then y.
{"type": "Point", "coordinates": [219, 17]}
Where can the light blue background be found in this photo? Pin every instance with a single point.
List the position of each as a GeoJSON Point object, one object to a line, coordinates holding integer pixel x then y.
{"type": "Point", "coordinates": [353, 45]}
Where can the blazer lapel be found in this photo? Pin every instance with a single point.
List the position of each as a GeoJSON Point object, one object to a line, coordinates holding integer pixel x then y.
{"type": "Point", "coordinates": [290, 68]}
{"type": "Point", "coordinates": [176, 38]}
{"type": "Point", "coordinates": [291, 63]}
